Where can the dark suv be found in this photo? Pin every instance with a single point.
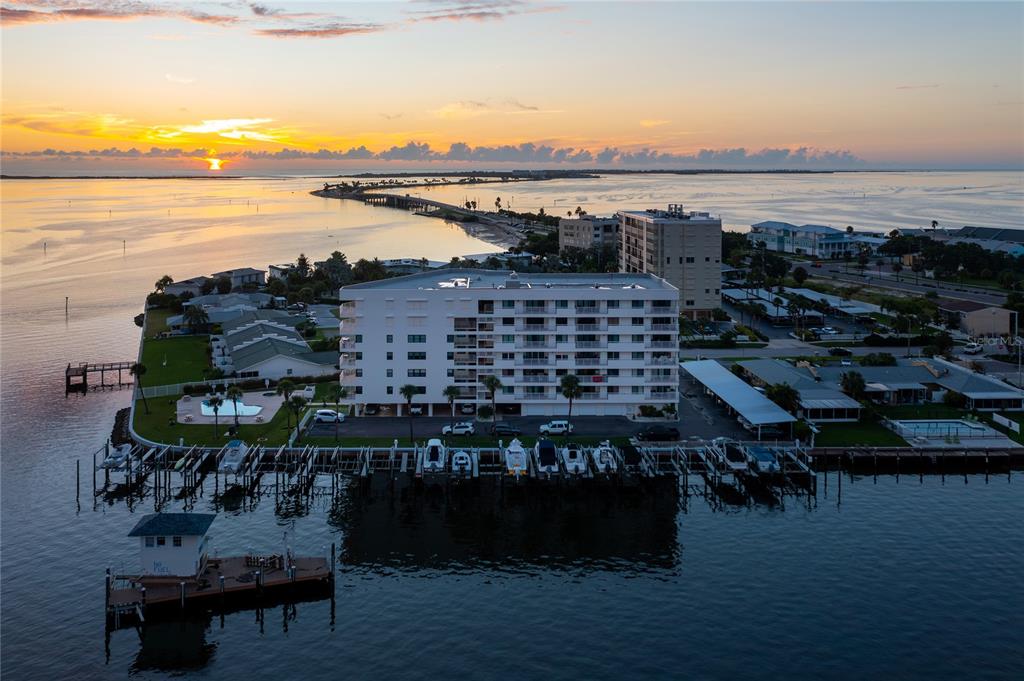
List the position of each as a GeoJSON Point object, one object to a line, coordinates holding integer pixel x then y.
{"type": "Point", "coordinates": [505, 429]}
{"type": "Point", "coordinates": [658, 434]}
{"type": "Point", "coordinates": [839, 352]}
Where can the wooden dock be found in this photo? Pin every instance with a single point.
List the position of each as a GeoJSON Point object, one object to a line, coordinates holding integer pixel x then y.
{"type": "Point", "coordinates": [76, 378]}
{"type": "Point", "coordinates": [133, 598]}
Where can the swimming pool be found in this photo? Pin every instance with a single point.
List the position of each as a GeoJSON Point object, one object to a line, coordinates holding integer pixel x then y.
{"type": "Point", "coordinates": [941, 428]}
{"type": "Point", "coordinates": [227, 408]}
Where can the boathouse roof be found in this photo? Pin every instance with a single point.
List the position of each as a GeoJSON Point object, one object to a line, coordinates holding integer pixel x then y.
{"type": "Point", "coordinates": [179, 524]}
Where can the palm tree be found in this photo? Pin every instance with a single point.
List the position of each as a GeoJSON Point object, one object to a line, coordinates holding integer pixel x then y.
{"type": "Point", "coordinates": [451, 393]}
{"type": "Point", "coordinates": [571, 390]}
{"type": "Point", "coordinates": [337, 393]}
{"type": "Point", "coordinates": [492, 384]}
{"type": "Point", "coordinates": [897, 268]}
{"type": "Point", "coordinates": [408, 391]}
{"type": "Point", "coordinates": [777, 302]}
{"type": "Point", "coordinates": [138, 370]}
{"type": "Point", "coordinates": [852, 383]}
{"type": "Point", "coordinates": [935, 224]}
{"type": "Point", "coordinates": [215, 403]}
{"type": "Point", "coordinates": [784, 395]}
{"type": "Point", "coordinates": [195, 317]}
{"type": "Point", "coordinates": [297, 403]}
{"type": "Point", "coordinates": [497, 204]}
{"type": "Point", "coordinates": [234, 393]}
{"type": "Point", "coordinates": [285, 388]}
{"type": "Point", "coordinates": [163, 282]}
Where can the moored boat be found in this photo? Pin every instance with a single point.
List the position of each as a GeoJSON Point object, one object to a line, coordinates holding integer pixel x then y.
{"type": "Point", "coordinates": [604, 458]}
{"type": "Point", "coordinates": [515, 458]}
{"type": "Point", "coordinates": [435, 456]}
{"type": "Point", "coordinates": [573, 459]}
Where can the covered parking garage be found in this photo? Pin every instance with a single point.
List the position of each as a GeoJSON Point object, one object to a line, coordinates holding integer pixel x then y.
{"type": "Point", "coordinates": [737, 396]}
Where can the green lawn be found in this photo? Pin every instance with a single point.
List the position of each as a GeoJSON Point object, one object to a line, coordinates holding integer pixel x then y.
{"type": "Point", "coordinates": [1019, 418]}
{"type": "Point", "coordinates": [156, 321]}
{"type": "Point", "coordinates": [158, 426]}
{"type": "Point", "coordinates": [174, 360]}
{"type": "Point", "coordinates": [857, 434]}
{"type": "Point", "coordinates": [924, 411]}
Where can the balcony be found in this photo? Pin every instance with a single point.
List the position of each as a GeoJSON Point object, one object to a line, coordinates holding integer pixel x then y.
{"type": "Point", "coordinates": [536, 344]}
{"type": "Point", "coordinates": [535, 379]}
{"type": "Point", "coordinates": [662, 327]}
{"type": "Point", "coordinates": [589, 327]}
{"type": "Point", "coordinates": [348, 310]}
{"type": "Point", "coordinates": [535, 327]}
{"type": "Point", "coordinates": [661, 395]}
{"type": "Point", "coordinates": [534, 362]}
{"type": "Point", "coordinates": [662, 344]}
{"type": "Point", "coordinates": [590, 344]}
{"type": "Point", "coordinates": [589, 362]}
{"type": "Point", "coordinates": [590, 396]}
{"type": "Point", "coordinates": [486, 327]}
{"type": "Point", "coordinates": [587, 309]}
{"type": "Point", "coordinates": [529, 308]}
{"type": "Point", "coordinates": [660, 361]}
{"type": "Point", "coordinates": [661, 378]}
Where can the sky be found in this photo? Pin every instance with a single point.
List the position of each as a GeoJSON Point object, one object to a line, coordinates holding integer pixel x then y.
{"type": "Point", "coordinates": [151, 87]}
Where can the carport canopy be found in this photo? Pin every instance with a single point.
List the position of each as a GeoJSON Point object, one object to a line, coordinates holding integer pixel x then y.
{"type": "Point", "coordinates": [741, 397]}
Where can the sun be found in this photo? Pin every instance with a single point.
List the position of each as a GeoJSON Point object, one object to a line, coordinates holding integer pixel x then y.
{"type": "Point", "coordinates": [215, 163]}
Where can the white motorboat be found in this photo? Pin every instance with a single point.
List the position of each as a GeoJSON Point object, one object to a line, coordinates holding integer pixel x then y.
{"type": "Point", "coordinates": [515, 458]}
{"type": "Point", "coordinates": [462, 463]}
{"type": "Point", "coordinates": [547, 457]}
{"type": "Point", "coordinates": [233, 457]}
{"type": "Point", "coordinates": [573, 459]}
{"type": "Point", "coordinates": [117, 456]}
{"type": "Point", "coordinates": [604, 458]}
{"type": "Point", "coordinates": [733, 456]}
{"type": "Point", "coordinates": [435, 456]}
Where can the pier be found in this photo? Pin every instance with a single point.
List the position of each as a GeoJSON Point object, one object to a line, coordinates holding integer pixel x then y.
{"type": "Point", "coordinates": [76, 378]}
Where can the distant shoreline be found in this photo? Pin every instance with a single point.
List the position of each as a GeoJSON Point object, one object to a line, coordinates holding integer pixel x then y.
{"type": "Point", "coordinates": [555, 174]}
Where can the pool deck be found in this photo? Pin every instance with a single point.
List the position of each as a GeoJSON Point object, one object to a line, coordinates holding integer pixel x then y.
{"type": "Point", "coordinates": [950, 434]}
{"type": "Point", "coordinates": [188, 409]}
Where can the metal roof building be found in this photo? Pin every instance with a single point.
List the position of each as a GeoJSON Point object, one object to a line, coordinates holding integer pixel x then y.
{"type": "Point", "coordinates": [741, 398]}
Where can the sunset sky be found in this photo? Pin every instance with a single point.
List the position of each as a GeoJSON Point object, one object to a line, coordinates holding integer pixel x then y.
{"type": "Point", "coordinates": [282, 87]}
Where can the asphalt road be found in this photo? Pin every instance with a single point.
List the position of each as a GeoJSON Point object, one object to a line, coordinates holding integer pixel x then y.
{"type": "Point", "coordinates": [906, 285]}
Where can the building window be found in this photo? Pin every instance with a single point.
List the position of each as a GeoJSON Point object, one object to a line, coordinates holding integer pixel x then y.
{"type": "Point", "coordinates": [391, 373]}
{"type": "Point", "coordinates": [707, 259]}
{"type": "Point", "coordinates": [416, 355]}
{"type": "Point", "coordinates": [638, 355]}
{"type": "Point", "coordinates": [613, 372]}
{"type": "Point", "coordinates": [359, 390]}
{"type": "Point", "coordinates": [508, 356]}
{"type": "Point", "coordinates": [689, 303]}
{"type": "Point", "coordinates": [161, 541]}
{"type": "Point", "coordinates": [716, 291]}
{"type": "Point", "coordinates": [561, 303]}
{"type": "Point", "coordinates": [359, 338]}
{"type": "Point", "coordinates": [707, 290]}
{"type": "Point", "coordinates": [637, 389]}
{"type": "Point", "coordinates": [149, 542]}
{"type": "Point", "coordinates": [390, 338]}
{"type": "Point", "coordinates": [289, 372]}
{"type": "Point", "coordinates": [613, 355]}
{"type": "Point", "coordinates": [638, 304]}
{"type": "Point", "coordinates": [638, 338]}
{"type": "Point", "coordinates": [176, 541]}
{"type": "Point", "coordinates": [508, 321]}
{"type": "Point", "coordinates": [508, 304]}
{"type": "Point", "coordinates": [668, 260]}
{"type": "Point", "coordinates": [417, 338]}
{"type": "Point", "coordinates": [613, 304]}
{"type": "Point", "coordinates": [390, 390]}
{"type": "Point", "coordinates": [391, 356]}
{"type": "Point", "coordinates": [613, 338]}
{"type": "Point", "coordinates": [638, 321]}
{"type": "Point", "coordinates": [508, 338]}
{"type": "Point", "coordinates": [508, 390]}
{"type": "Point", "coordinates": [561, 321]}
{"type": "Point", "coordinates": [416, 373]}
{"type": "Point", "coordinates": [451, 338]}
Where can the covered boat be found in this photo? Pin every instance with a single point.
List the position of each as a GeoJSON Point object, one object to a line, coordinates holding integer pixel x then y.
{"type": "Point", "coordinates": [604, 458]}
{"type": "Point", "coordinates": [435, 456]}
{"type": "Point", "coordinates": [515, 458]}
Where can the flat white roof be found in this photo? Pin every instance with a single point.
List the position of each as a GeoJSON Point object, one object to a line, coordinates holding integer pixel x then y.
{"type": "Point", "coordinates": [749, 403]}
{"type": "Point", "coordinates": [452, 278]}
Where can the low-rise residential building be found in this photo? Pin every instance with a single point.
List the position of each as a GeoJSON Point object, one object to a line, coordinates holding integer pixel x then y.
{"type": "Point", "coordinates": [819, 241]}
{"type": "Point", "coordinates": [243, 276]}
{"type": "Point", "coordinates": [682, 247]}
{"type": "Point", "coordinates": [193, 286]}
{"type": "Point", "coordinates": [977, 319]}
{"type": "Point", "coordinates": [275, 359]}
{"type": "Point", "coordinates": [410, 265]}
{"type": "Point", "coordinates": [820, 401]}
{"type": "Point", "coordinates": [588, 231]}
{"type": "Point", "coordinates": [617, 333]}
{"type": "Point", "coordinates": [1009, 241]}
{"type": "Point", "coordinates": [280, 271]}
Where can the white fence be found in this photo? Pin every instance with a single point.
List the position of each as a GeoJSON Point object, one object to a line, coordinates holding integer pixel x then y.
{"type": "Point", "coordinates": [178, 388]}
{"type": "Point", "coordinates": [1009, 423]}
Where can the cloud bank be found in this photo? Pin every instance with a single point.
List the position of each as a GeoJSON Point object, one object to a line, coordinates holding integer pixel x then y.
{"type": "Point", "coordinates": [527, 153]}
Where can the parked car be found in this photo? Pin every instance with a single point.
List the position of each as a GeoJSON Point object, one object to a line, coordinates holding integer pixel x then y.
{"type": "Point", "coordinates": [467, 409]}
{"type": "Point", "coordinates": [328, 416]}
{"type": "Point", "coordinates": [416, 410]}
{"type": "Point", "coordinates": [839, 352]}
{"type": "Point", "coordinates": [556, 428]}
{"type": "Point", "coordinates": [371, 410]}
{"type": "Point", "coordinates": [505, 429]}
{"type": "Point", "coordinates": [828, 331]}
{"type": "Point", "coordinates": [973, 348]}
{"type": "Point", "coordinates": [463, 428]}
{"type": "Point", "coordinates": [658, 434]}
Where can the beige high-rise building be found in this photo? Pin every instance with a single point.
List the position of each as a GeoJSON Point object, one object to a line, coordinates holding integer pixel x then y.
{"type": "Point", "coordinates": [682, 247]}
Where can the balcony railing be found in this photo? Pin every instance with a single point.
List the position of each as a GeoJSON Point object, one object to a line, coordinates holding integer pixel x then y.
{"type": "Point", "coordinates": [662, 327]}
{"type": "Point", "coordinates": [590, 396]}
{"type": "Point", "coordinates": [536, 327]}
{"type": "Point", "coordinates": [588, 327]}
{"type": "Point", "coordinates": [660, 361]}
{"type": "Point", "coordinates": [536, 309]}
{"type": "Point", "coordinates": [590, 344]}
{"type": "Point", "coordinates": [534, 362]}
{"type": "Point", "coordinates": [535, 344]}
{"type": "Point", "coordinates": [662, 344]}
{"type": "Point", "coordinates": [535, 379]}
{"type": "Point", "coordinates": [661, 378]}
{"type": "Point", "coordinates": [589, 362]}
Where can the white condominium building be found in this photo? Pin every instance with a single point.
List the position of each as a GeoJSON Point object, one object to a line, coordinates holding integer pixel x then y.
{"type": "Point", "coordinates": [682, 247]}
{"type": "Point", "coordinates": [618, 333]}
{"type": "Point", "coordinates": [588, 231]}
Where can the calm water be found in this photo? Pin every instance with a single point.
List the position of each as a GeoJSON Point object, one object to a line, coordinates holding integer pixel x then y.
{"type": "Point", "coordinates": [903, 577]}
